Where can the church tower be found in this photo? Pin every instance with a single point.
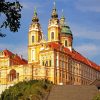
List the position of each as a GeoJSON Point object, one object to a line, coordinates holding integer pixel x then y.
{"type": "Point", "coordinates": [54, 27]}
{"type": "Point", "coordinates": [34, 37]}
{"type": "Point", "coordinates": [66, 34]}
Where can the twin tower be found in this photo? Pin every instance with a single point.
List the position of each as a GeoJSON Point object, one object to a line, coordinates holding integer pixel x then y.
{"type": "Point", "coordinates": [58, 32]}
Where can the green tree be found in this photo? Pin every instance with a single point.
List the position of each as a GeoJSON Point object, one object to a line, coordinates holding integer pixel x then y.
{"type": "Point", "coordinates": [27, 90]}
{"type": "Point", "coordinates": [11, 10]}
{"type": "Point", "coordinates": [97, 97]}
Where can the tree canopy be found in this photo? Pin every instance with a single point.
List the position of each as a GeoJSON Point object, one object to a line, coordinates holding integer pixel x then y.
{"type": "Point", "coordinates": [28, 90]}
{"type": "Point", "coordinates": [12, 12]}
{"type": "Point", "coordinates": [97, 97]}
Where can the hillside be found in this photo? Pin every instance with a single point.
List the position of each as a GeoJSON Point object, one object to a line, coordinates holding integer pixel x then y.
{"type": "Point", "coordinates": [45, 90]}
{"type": "Point", "coordinates": [31, 90]}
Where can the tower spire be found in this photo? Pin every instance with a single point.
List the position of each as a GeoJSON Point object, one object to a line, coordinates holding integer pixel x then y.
{"type": "Point", "coordinates": [35, 17]}
{"type": "Point", "coordinates": [64, 27]}
{"type": "Point", "coordinates": [54, 3]}
{"type": "Point", "coordinates": [63, 17]}
{"type": "Point", "coordinates": [35, 13]}
{"type": "Point", "coordinates": [54, 12]}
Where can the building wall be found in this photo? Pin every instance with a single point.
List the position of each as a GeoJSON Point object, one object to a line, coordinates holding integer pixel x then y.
{"type": "Point", "coordinates": [14, 74]}
{"type": "Point", "coordinates": [70, 71]}
{"type": "Point", "coordinates": [4, 61]}
{"type": "Point", "coordinates": [64, 69]}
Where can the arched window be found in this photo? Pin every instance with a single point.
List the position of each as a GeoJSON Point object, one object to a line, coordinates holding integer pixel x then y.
{"type": "Point", "coordinates": [52, 35]}
{"type": "Point", "coordinates": [65, 42]}
{"type": "Point", "coordinates": [32, 39]}
{"type": "Point", "coordinates": [12, 75]}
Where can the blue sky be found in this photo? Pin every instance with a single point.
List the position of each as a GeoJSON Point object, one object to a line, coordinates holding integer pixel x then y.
{"type": "Point", "coordinates": [83, 17]}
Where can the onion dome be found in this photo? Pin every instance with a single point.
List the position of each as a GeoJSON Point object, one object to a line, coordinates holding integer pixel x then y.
{"type": "Point", "coordinates": [64, 27]}
{"type": "Point", "coordinates": [66, 30]}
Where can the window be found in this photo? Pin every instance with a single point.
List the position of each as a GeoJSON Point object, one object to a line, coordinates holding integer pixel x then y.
{"type": "Point", "coordinates": [43, 63]}
{"type": "Point", "coordinates": [18, 76]}
{"type": "Point", "coordinates": [65, 42]}
{"type": "Point", "coordinates": [46, 64]}
{"type": "Point", "coordinates": [52, 35]}
{"type": "Point", "coordinates": [40, 37]}
{"type": "Point", "coordinates": [1, 53]}
{"type": "Point", "coordinates": [12, 75]}
{"type": "Point", "coordinates": [62, 64]}
{"type": "Point", "coordinates": [50, 62]}
{"type": "Point", "coordinates": [32, 39]}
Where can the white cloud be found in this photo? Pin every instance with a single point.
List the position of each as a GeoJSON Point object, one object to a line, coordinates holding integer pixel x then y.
{"type": "Point", "coordinates": [16, 49]}
{"type": "Point", "coordinates": [88, 50]}
{"type": "Point", "coordinates": [88, 5]}
{"type": "Point", "coordinates": [85, 32]}
{"type": "Point", "coordinates": [31, 5]}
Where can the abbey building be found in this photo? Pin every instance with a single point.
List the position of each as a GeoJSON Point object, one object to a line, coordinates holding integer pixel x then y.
{"type": "Point", "coordinates": [54, 59]}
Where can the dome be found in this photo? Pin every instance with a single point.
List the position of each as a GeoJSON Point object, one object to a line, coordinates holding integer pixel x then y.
{"type": "Point", "coordinates": [66, 30]}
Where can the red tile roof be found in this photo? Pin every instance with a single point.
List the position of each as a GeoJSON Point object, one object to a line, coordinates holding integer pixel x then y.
{"type": "Point", "coordinates": [75, 55]}
{"type": "Point", "coordinates": [7, 53]}
{"type": "Point", "coordinates": [14, 57]}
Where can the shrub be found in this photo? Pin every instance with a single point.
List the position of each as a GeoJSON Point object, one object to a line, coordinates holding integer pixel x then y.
{"type": "Point", "coordinates": [27, 90]}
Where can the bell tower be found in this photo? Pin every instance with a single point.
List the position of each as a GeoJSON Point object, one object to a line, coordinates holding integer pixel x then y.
{"type": "Point", "coordinates": [66, 34]}
{"type": "Point", "coordinates": [54, 27]}
{"type": "Point", "coordinates": [34, 37]}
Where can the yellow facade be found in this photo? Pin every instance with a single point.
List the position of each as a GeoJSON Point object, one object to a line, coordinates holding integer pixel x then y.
{"type": "Point", "coordinates": [53, 64]}
{"type": "Point", "coordinates": [21, 72]}
{"type": "Point", "coordinates": [4, 61]}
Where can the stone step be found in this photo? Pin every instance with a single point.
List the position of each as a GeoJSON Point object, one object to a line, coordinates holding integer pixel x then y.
{"type": "Point", "coordinates": [72, 92]}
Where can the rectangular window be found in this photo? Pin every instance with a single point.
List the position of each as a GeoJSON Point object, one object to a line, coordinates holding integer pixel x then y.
{"type": "Point", "coordinates": [43, 63]}
{"type": "Point", "coordinates": [50, 63]}
{"type": "Point", "coordinates": [65, 42]}
{"type": "Point", "coordinates": [52, 35]}
{"type": "Point", "coordinates": [46, 64]}
{"type": "Point", "coordinates": [63, 75]}
{"type": "Point", "coordinates": [32, 39]}
{"type": "Point", "coordinates": [62, 64]}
